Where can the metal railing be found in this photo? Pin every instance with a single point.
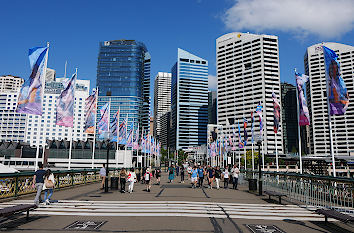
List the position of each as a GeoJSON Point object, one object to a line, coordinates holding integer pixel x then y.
{"type": "Point", "coordinates": [16, 184]}
{"type": "Point", "coordinates": [314, 191]}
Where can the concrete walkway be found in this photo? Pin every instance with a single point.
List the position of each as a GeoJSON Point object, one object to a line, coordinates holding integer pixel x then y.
{"type": "Point", "coordinates": [169, 207]}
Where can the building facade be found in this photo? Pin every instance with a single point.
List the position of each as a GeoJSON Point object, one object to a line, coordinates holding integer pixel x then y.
{"type": "Point", "coordinates": [189, 101]}
{"type": "Point", "coordinates": [165, 125]}
{"type": "Point", "coordinates": [342, 126]}
{"type": "Point", "coordinates": [12, 124]}
{"type": "Point", "coordinates": [123, 77]}
{"type": "Point", "coordinates": [289, 117]}
{"type": "Point", "coordinates": [248, 73]}
{"type": "Point", "coordinates": [39, 129]}
{"type": "Point", "coordinates": [212, 107]}
{"type": "Point", "coordinates": [162, 99]}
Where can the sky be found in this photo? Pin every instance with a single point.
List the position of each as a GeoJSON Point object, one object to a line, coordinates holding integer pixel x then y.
{"type": "Point", "coordinates": [75, 28]}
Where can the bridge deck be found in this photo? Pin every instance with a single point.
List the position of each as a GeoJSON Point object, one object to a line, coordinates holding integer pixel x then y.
{"type": "Point", "coordinates": [168, 207]}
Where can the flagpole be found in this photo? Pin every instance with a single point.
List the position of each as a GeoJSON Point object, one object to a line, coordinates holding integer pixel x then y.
{"type": "Point", "coordinates": [42, 90]}
{"type": "Point", "coordinates": [126, 141]}
{"type": "Point", "coordinates": [330, 123]}
{"type": "Point", "coordinates": [71, 131]}
{"type": "Point", "coordinates": [94, 131]}
{"type": "Point", "coordinates": [117, 128]}
{"type": "Point", "coordinates": [298, 124]}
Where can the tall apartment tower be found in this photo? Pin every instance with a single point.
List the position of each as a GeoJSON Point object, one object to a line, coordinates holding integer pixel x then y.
{"type": "Point", "coordinates": [12, 124]}
{"type": "Point", "coordinates": [162, 99]}
{"type": "Point", "coordinates": [248, 73]}
{"type": "Point", "coordinates": [189, 101]}
{"type": "Point", "coordinates": [123, 77]}
{"type": "Point", "coordinates": [342, 126]}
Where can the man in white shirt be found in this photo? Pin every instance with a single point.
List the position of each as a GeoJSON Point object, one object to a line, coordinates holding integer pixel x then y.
{"type": "Point", "coordinates": [103, 175]}
{"type": "Point", "coordinates": [235, 172]}
{"type": "Point", "coordinates": [226, 176]}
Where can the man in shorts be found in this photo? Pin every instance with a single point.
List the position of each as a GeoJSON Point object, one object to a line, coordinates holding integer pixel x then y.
{"type": "Point", "coordinates": [194, 177]}
{"type": "Point", "coordinates": [103, 175]}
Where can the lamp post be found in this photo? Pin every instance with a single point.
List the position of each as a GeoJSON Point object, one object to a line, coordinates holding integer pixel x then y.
{"type": "Point", "coordinates": [259, 143]}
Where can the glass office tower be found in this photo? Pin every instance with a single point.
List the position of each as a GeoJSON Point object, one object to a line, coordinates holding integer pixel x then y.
{"type": "Point", "coordinates": [123, 77]}
{"type": "Point", "coordinates": [189, 101]}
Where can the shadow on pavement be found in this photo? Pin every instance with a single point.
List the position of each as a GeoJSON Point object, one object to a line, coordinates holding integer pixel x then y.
{"type": "Point", "coordinates": [333, 227]}
{"type": "Point", "coordinates": [14, 222]}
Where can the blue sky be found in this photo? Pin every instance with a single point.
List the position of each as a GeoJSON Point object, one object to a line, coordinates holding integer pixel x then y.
{"type": "Point", "coordinates": [74, 29]}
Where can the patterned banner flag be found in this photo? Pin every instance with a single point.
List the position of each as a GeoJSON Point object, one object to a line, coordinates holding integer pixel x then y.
{"type": "Point", "coordinates": [136, 140]}
{"type": "Point", "coordinates": [65, 104]}
{"type": "Point", "coordinates": [114, 126]}
{"type": "Point", "coordinates": [337, 92]}
{"type": "Point", "coordinates": [130, 135]}
{"type": "Point", "coordinates": [276, 111]}
{"type": "Point", "coordinates": [90, 110]}
{"type": "Point", "coordinates": [245, 135]}
{"type": "Point", "coordinates": [30, 97]}
{"type": "Point", "coordinates": [233, 138]}
{"type": "Point", "coordinates": [240, 143]}
{"type": "Point", "coordinates": [259, 110]}
{"type": "Point", "coordinates": [143, 144]}
{"type": "Point", "coordinates": [304, 116]}
{"type": "Point", "coordinates": [122, 138]}
{"type": "Point", "coordinates": [103, 123]}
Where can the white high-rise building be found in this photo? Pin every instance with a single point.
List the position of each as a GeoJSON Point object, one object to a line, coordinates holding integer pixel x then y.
{"type": "Point", "coordinates": [44, 127]}
{"type": "Point", "coordinates": [162, 99]}
{"type": "Point", "coordinates": [342, 126]}
{"type": "Point", "coordinates": [248, 73]}
{"type": "Point", "coordinates": [50, 75]}
{"type": "Point", "coordinates": [10, 83]}
{"type": "Point", "coordinates": [12, 124]}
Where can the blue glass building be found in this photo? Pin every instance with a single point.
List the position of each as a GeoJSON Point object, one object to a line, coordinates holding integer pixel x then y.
{"type": "Point", "coordinates": [189, 101]}
{"type": "Point", "coordinates": [123, 77]}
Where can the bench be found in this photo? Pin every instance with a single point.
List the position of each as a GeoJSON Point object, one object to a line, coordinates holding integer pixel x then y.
{"type": "Point", "coordinates": [9, 211]}
{"type": "Point", "coordinates": [330, 213]}
{"type": "Point", "coordinates": [272, 193]}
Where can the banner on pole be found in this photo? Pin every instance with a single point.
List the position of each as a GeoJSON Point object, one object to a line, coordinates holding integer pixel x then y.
{"type": "Point", "coordinates": [65, 104]}
{"type": "Point", "coordinates": [304, 116]}
{"type": "Point", "coordinates": [90, 110]}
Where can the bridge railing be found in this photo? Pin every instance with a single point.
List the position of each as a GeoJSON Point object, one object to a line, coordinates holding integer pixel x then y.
{"type": "Point", "coordinates": [16, 184]}
{"type": "Point", "coordinates": [312, 190]}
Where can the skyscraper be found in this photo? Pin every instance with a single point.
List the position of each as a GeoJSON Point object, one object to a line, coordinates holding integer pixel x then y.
{"type": "Point", "coordinates": [289, 117]}
{"type": "Point", "coordinates": [212, 103]}
{"type": "Point", "coordinates": [189, 101]}
{"type": "Point", "coordinates": [248, 73]}
{"type": "Point", "coordinates": [123, 77]}
{"type": "Point", "coordinates": [162, 99]}
{"type": "Point", "coordinates": [342, 125]}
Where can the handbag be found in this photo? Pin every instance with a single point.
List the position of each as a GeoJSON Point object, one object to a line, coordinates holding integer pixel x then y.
{"type": "Point", "coordinates": [48, 183]}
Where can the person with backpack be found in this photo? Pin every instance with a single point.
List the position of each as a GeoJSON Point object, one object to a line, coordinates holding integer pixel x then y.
{"type": "Point", "coordinates": [171, 173]}
{"type": "Point", "coordinates": [217, 175]}
{"type": "Point", "coordinates": [48, 186]}
{"type": "Point", "coordinates": [201, 176]}
{"type": "Point", "coordinates": [182, 174]}
{"type": "Point", "coordinates": [147, 178]}
{"type": "Point", "coordinates": [210, 173]}
{"type": "Point", "coordinates": [38, 182]}
{"type": "Point", "coordinates": [158, 175]}
{"type": "Point", "coordinates": [122, 180]}
{"type": "Point", "coordinates": [131, 179]}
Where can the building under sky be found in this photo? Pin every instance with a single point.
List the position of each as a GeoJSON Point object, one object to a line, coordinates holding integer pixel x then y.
{"type": "Point", "coordinates": [189, 101]}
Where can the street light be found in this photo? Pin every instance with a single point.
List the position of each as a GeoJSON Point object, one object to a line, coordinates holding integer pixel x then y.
{"type": "Point", "coordinates": [259, 143]}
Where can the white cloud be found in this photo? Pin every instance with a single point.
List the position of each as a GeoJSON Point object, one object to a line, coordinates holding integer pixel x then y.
{"type": "Point", "coordinates": [212, 82]}
{"type": "Point", "coordinates": [324, 18]}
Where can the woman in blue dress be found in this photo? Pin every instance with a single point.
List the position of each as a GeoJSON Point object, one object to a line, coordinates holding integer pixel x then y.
{"type": "Point", "coordinates": [171, 173]}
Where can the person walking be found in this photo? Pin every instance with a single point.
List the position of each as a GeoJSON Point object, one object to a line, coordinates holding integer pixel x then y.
{"type": "Point", "coordinates": [177, 170]}
{"type": "Point", "coordinates": [131, 179]}
{"type": "Point", "coordinates": [158, 175]}
{"type": "Point", "coordinates": [171, 173]}
{"type": "Point", "coordinates": [103, 175]}
{"type": "Point", "coordinates": [235, 172]}
{"type": "Point", "coordinates": [122, 180]}
{"type": "Point", "coordinates": [138, 175]}
{"type": "Point", "coordinates": [48, 187]}
{"type": "Point", "coordinates": [147, 178]}
{"type": "Point", "coordinates": [217, 176]}
{"type": "Point", "coordinates": [194, 177]}
{"type": "Point", "coordinates": [201, 176]}
{"type": "Point", "coordinates": [38, 182]}
{"type": "Point", "coordinates": [226, 176]}
{"type": "Point", "coordinates": [182, 174]}
{"type": "Point", "coordinates": [210, 174]}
